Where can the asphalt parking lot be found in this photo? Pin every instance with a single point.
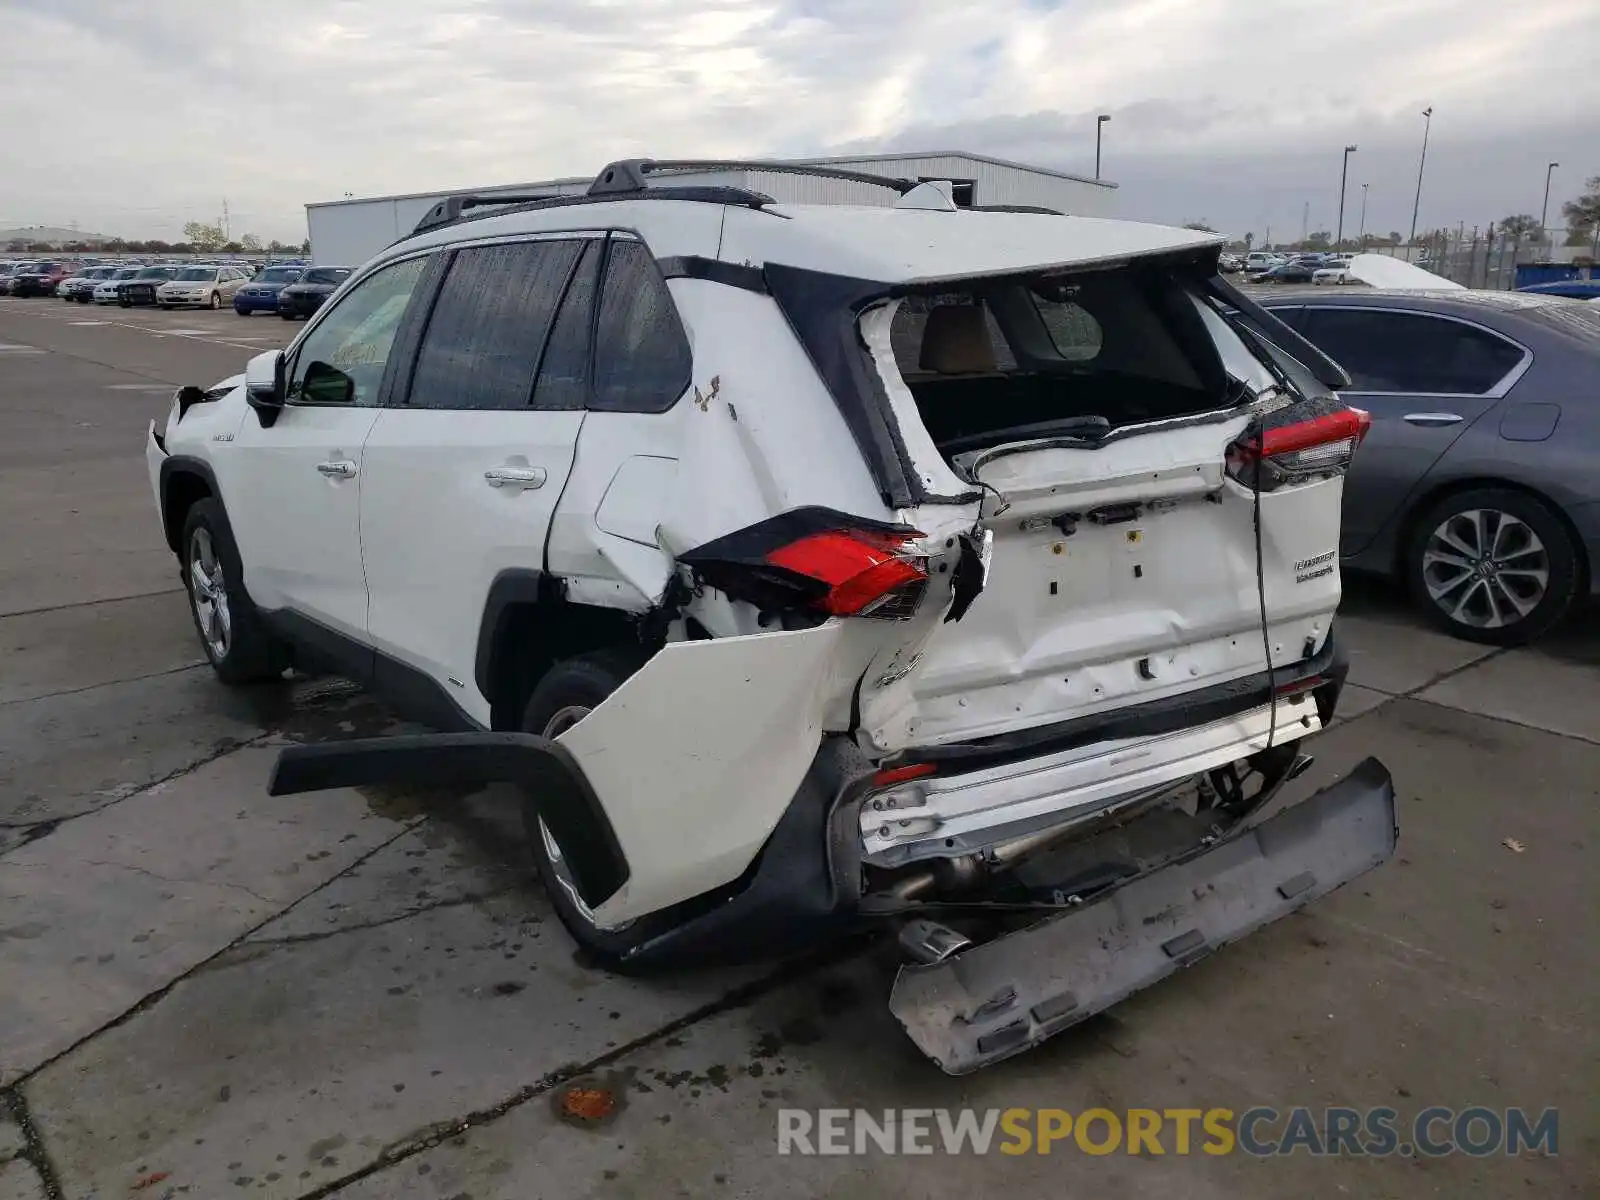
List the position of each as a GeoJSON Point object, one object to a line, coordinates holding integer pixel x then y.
{"type": "Point", "coordinates": [208, 992]}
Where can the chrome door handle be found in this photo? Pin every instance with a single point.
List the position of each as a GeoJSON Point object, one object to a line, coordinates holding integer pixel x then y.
{"type": "Point", "coordinates": [521, 477]}
{"type": "Point", "coordinates": [1433, 419]}
{"type": "Point", "coordinates": [339, 468]}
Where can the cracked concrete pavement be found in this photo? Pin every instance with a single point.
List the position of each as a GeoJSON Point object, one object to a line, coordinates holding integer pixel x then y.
{"type": "Point", "coordinates": [211, 992]}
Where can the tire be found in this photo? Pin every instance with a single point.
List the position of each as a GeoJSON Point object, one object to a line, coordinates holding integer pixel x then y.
{"type": "Point", "coordinates": [1506, 600]}
{"type": "Point", "coordinates": [580, 683]}
{"type": "Point", "coordinates": [243, 312]}
{"type": "Point", "coordinates": [236, 641]}
{"type": "Point", "coordinates": [166, 308]}
{"type": "Point", "coordinates": [215, 302]}
{"type": "Point", "coordinates": [287, 316]}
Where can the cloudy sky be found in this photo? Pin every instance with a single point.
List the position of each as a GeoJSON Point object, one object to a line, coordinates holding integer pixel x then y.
{"type": "Point", "coordinates": [132, 118]}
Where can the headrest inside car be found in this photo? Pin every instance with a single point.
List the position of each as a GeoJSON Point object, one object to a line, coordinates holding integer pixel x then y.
{"type": "Point", "coordinates": [955, 341]}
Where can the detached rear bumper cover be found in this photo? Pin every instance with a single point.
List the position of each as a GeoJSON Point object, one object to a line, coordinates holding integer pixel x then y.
{"type": "Point", "coordinates": [1005, 996]}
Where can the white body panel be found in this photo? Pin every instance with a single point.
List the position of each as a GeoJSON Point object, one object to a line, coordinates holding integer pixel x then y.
{"type": "Point", "coordinates": [298, 527]}
{"type": "Point", "coordinates": [697, 756]}
{"type": "Point", "coordinates": [436, 531]}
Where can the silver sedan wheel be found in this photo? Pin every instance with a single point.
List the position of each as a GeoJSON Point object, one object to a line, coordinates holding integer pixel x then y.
{"type": "Point", "coordinates": [1485, 568]}
{"type": "Point", "coordinates": [562, 720]}
{"type": "Point", "coordinates": [208, 592]}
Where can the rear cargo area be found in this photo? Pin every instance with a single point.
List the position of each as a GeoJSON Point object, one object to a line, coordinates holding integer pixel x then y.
{"type": "Point", "coordinates": [1000, 360]}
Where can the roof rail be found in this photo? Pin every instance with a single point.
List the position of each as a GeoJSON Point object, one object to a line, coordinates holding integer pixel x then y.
{"type": "Point", "coordinates": [454, 209]}
{"type": "Point", "coordinates": [628, 174]}
{"type": "Point", "coordinates": [448, 211]}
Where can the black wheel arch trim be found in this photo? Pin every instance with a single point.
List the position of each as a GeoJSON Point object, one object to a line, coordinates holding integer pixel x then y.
{"type": "Point", "coordinates": [184, 464]}
{"type": "Point", "coordinates": [513, 586]}
{"type": "Point", "coordinates": [551, 777]}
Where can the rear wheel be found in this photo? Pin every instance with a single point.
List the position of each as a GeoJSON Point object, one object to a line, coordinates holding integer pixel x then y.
{"type": "Point", "coordinates": [1493, 565]}
{"type": "Point", "coordinates": [237, 643]}
{"type": "Point", "coordinates": [568, 692]}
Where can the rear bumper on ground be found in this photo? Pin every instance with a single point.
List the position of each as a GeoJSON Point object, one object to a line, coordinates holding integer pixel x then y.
{"type": "Point", "coordinates": [1007, 995]}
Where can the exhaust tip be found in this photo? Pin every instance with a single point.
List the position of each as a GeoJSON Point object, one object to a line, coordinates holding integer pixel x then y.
{"type": "Point", "coordinates": [1300, 765]}
{"type": "Point", "coordinates": [930, 943]}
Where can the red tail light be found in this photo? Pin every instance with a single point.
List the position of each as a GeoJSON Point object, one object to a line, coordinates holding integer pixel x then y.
{"type": "Point", "coordinates": [862, 571]}
{"type": "Point", "coordinates": [817, 562]}
{"type": "Point", "coordinates": [1297, 450]}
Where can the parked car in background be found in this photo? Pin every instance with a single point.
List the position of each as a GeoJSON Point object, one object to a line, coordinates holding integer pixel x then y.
{"type": "Point", "coordinates": [142, 287]}
{"type": "Point", "coordinates": [108, 289]}
{"type": "Point", "coordinates": [305, 295]}
{"type": "Point", "coordinates": [1477, 483]}
{"type": "Point", "coordinates": [7, 270]}
{"type": "Point", "coordinates": [261, 293]}
{"type": "Point", "coordinates": [201, 286]}
{"type": "Point", "coordinates": [81, 286]}
{"type": "Point", "coordinates": [1334, 272]}
{"type": "Point", "coordinates": [1260, 261]}
{"type": "Point", "coordinates": [39, 279]}
{"type": "Point", "coordinates": [1229, 263]}
{"type": "Point", "coordinates": [1296, 270]}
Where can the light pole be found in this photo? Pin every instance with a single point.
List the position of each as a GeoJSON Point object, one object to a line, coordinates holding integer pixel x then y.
{"type": "Point", "coordinates": [1361, 238]}
{"type": "Point", "coordinates": [1544, 212]}
{"type": "Point", "coordinates": [1099, 124]}
{"type": "Point", "coordinates": [1427, 124]}
{"type": "Point", "coordinates": [1344, 173]}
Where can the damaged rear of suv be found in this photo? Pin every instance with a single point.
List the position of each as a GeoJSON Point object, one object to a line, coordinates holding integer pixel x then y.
{"type": "Point", "coordinates": [969, 572]}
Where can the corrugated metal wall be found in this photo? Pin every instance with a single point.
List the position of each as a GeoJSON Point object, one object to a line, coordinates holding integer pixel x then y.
{"type": "Point", "coordinates": [351, 231]}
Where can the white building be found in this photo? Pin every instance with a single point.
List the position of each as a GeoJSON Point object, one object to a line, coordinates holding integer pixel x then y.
{"type": "Point", "coordinates": [348, 232]}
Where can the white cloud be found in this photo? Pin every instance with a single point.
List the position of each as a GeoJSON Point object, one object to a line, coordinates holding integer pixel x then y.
{"type": "Point", "coordinates": [135, 118]}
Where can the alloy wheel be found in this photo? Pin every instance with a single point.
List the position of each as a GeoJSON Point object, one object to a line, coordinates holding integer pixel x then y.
{"type": "Point", "coordinates": [209, 592]}
{"type": "Point", "coordinates": [1485, 568]}
{"type": "Point", "coordinates": [560, 721]}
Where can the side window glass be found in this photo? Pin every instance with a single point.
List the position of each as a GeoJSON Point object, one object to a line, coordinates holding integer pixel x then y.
{"type": "Point", "coordinates": [1411, 352]}
{"type": "Point", "coordinates": [564, 371]}
{"type": "Point", "coordinates": [641, 354]}
{"type": "Point", "coordinates": [342, 359]}
{"type": "Point", "coordinates": [489, 324]}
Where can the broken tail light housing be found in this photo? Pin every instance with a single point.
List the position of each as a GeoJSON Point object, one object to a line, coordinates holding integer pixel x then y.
{"type": "Point", "coordinates": [1291, 450]}
{"type": "Point", "coordinates": [816, 560]}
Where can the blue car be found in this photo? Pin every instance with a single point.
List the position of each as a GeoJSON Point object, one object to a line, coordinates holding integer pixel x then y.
{"type": "Point", "coordinates": [261, 293]}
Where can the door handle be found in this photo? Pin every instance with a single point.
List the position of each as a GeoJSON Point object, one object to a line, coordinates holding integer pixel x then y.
{"type": "Point", "coordinates": [1432, 419]}
{"type": "Point", "coordinates": [339, 468]}
{"type": "Point", "coordinates": [517, 477]}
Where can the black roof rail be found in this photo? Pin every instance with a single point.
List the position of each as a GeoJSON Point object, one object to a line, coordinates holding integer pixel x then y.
{"type": "Point", "coordinates": [628, 174]}
{"type": "Point", "coordinates": [448, 211]}
{"type": "Point", "coordinates": [454, 209]}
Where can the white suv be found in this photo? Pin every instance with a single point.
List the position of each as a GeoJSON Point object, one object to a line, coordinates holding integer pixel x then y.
{"type": "Point", "coordinates": [813, 565]}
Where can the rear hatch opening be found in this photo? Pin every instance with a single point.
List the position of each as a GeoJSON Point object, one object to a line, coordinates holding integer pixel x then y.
{"type": "Point", "coordinates": [1054, 355]}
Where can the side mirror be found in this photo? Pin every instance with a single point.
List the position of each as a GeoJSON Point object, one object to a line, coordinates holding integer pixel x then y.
{"type": "Point", "coordinates": [264, 386]}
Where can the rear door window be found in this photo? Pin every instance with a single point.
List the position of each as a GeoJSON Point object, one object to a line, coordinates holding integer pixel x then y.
{"type": "Point", "coordinates": [641, 353]}
{"type": "Point", "coordinates": [1392, 351]}
{"type": "Point", "coordinates": [489, 325]}
{"type": "Point", "coordinates": [564, 369]}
